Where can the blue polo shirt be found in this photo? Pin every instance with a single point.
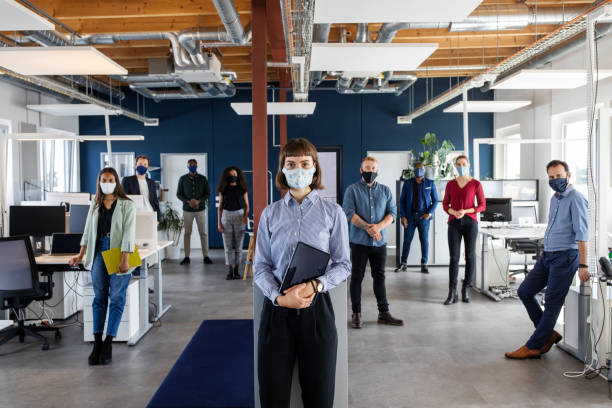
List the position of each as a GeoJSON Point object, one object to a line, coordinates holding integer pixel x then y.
{"type": "Point", "coordinates": [372, 204]}
{"type": "Point", "coordinates": [568, 221]}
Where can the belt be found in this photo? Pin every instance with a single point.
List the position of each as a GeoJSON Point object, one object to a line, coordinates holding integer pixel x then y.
{"type": "Point", "coordinates": [560, 251]}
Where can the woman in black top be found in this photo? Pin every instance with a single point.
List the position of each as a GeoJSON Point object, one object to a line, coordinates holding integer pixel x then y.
{"type": "Point", "coordinates": [233, 215]}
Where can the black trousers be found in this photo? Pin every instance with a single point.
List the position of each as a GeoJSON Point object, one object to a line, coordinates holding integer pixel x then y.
{"type": "Point", "coordinates": [360, 254]}
{"type": "Point", "coordinates": [467, 229]}
{"type": "Point", "coordinates": [310, 336]}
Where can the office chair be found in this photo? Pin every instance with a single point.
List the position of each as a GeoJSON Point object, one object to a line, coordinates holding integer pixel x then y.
{"type": "Point", "coordinates": [20, 286]}
{"type": "Point", "coordinates": [525, 247]}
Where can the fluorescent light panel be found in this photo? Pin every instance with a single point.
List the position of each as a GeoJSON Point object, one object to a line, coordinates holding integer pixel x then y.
{"type": "Point", "coordinates": [277, 108]}
{"type": "Point", "coordinates": [114, 138]}
{"type": "Point", "coordinates": [392, 11]}
{"type": "Point", "coordinates": [548, 79]}
{"type": "Point", "coordinates": [74, 109]}
{"type": "Point", "coordinates": [487, 106]}
{"type": "Point", "coordinates": [15, 17]}
{"type": "Point", "coordinates": [80, 138]}
{"type": "Point", "coordinates": [58, 61]}
{"type": "Point", "coordinates": [369, 56]}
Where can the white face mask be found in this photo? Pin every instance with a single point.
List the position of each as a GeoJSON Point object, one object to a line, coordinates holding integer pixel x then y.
{"type": "Point", "coordinates": [108, 188]}
{"type": "Point", "coordinates": [299, 178]}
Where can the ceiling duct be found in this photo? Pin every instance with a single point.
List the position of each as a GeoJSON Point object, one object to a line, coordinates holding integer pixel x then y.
{"type": "Point", "coordinates": [321, 35]}
{"type": "Point", "coordinates": [231, 21]}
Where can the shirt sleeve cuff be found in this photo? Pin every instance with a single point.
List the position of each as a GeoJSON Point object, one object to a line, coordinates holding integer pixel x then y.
{"type": "Point", "coordinates": [274, 293]}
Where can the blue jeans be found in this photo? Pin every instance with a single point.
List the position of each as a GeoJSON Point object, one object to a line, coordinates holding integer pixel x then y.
{"type": "Point", "coordinates": [416, 222]}
{"type": "Point", "coordinates": [106, 285]}
{"type": "Point", "coordinates": [555, 271]}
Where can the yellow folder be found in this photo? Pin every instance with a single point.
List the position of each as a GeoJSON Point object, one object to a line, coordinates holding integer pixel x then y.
{"type": "Point", "coordinates": [112, 259]}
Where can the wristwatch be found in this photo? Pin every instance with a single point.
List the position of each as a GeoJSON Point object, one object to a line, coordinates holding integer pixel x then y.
{"type": "Point", "coordinates": [317, 286]}
{"type": "Point", "coordinates": [583, 266]}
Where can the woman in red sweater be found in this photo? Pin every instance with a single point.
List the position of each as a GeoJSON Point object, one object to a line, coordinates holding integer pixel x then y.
{"type": "Point", "coordinates": [459, 203]}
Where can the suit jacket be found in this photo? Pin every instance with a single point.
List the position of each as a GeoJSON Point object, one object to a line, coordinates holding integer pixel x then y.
{"type": "Point", "coordinates": [429, 192]}
{"type": "Point", "coordinates": [130, 186]}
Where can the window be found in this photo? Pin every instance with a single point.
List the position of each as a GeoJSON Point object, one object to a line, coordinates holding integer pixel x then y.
{"type": "Point", "coordinates": [508, 156]}
{"type": "Point", "coordinates": [122, 162]}
{"type": "Point", "coordinates": [57, 160]}
{"type": "Point", "coordinates": [575, 154]}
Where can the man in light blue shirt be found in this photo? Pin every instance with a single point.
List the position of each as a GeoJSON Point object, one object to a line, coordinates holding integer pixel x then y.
{"type": "Point", "coordinates": [369, 208]}
{"type": "Point", "coordinates": [565, 250]}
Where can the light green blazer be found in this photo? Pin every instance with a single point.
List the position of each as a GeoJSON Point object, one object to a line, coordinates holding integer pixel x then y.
{"type": "Point", "coordinates": [123, 230]}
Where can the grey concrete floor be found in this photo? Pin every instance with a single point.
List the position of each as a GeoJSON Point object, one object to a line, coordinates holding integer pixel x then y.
{"type": "Point", "coordinates": [449, 355]}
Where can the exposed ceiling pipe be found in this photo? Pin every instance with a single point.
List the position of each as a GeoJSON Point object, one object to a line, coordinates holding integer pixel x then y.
{"type": "Point", "coordinates": [165, 95]}
{"type": "Point", "coordinates": [321, 35]}
{"type": "Point", "coordinates": [407, 83]}
{"type": "Point", "coordinates": [369, 90]}
{"type": "Point", "coordinates": [231, 21]}
{"type": "Point", "coordinates": [210, 89]}
{"type": "Point", "coordinates": [361, 35]}
{"type": "Point", "coordinates": [344, 82]}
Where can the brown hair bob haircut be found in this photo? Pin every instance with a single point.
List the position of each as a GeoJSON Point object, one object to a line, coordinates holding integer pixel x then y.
{"type": "Point", "coordinates": [295, 148]}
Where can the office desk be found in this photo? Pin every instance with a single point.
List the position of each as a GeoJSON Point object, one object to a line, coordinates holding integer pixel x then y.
{"type": "Point", "coordinates": [487, 235]}
{"type": "Point", "coordinates": [60, 262]}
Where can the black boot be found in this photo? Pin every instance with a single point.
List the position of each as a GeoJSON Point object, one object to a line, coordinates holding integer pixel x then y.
{"type": "Point", "coordinates": [106, 356]}
{"type": "Point", "coordinates": [230, 273]}
{"type": "Point", "coordinates": [465, 293]}
{"type": "Point", "coordinates": [94, 357]}
{"type": "Point", "coordinates": [452, 297]}
{"type": "Point", "coordinates": [236, 273]}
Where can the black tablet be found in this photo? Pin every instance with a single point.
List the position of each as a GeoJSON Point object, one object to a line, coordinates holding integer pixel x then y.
{"type": "Point", "coordinates": [307, 263]}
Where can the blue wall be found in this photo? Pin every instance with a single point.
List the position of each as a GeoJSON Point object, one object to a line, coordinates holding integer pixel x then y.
{"type": "Point", "coordinates": [358, 123]}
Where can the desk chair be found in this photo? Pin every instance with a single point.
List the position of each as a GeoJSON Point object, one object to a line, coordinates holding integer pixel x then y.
{"type": "Point", "coordinates": [525, 246]}
{"type": "Point", "coordinates": [20, 286]}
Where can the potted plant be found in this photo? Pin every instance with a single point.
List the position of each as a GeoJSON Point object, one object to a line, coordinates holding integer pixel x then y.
{"type": "Point", "coordinates": [434, 158]}
{"type": "Point", "coordinates": [172, 224]}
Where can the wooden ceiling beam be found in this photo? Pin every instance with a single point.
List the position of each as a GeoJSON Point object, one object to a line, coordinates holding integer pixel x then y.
{"type": "Point", "coordinates": [70, 10]}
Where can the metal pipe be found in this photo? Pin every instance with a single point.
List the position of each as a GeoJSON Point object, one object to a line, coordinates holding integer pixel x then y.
{"type": "Point", "coordinates": [231, 21]}
{"type": "Point", "coordinates": [408, 82]}
{"type": "Point", "coordinates": [361, 35]}
{"type": "Point", "coordinates": [321, 35]}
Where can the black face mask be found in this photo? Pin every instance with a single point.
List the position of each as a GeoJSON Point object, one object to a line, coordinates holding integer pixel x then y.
{"type": "Point", "coordinates": [369, 176]}
{"type": "Point", "coordinates": [232, 179]}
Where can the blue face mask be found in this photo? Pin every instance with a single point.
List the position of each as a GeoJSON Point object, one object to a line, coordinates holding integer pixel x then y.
{"type": "Point", "coordinates": [141, 170]}
{"type": "Point", "coordinates": [463, 170]}
{"type": "Point", "coordinates": [192, 169]}
{"type": "Point", "coordinates": [299, 178]}
{"type": "Point", "coordinates": [558, 184]}
{"type": "Point", "coordinates": [419, 172]}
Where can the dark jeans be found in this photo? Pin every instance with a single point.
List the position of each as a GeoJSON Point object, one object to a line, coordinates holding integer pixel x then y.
{"type": "Point", "coordinates": [360, 254]}
{"type": "Point", "coordinates": [416, 222]}
{"type": "Point", "coordinates": [310, 336]}
{"type": "Point", "coordinates": [467, 229]}
{"type": "Point", "coordinates": [555, 272]}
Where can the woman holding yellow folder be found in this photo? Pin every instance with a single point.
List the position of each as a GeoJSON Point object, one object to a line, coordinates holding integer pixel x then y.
{"type": "Point", "coordinates": [111, 223]}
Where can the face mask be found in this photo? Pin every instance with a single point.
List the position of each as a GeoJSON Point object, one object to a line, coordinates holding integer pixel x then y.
{"type": "Point", "coordinates": [558, 184]}
{"type": "Point", "coordinates": [369, 176]}
{"type": "Point", "coordinates": [141, 170]}
{"type": "Point", "coordinates": [232, 179]}
{"type": "Point", "coordinates": [299, 178]}
{"type": "Point", "coordinates": [463, 170]}
{"type": "Point", "coordinates": [192, 169]}
{"type": "Point", "coordinates": [419, 172]}
{"type": "Point", "coordinates": [108, 188]}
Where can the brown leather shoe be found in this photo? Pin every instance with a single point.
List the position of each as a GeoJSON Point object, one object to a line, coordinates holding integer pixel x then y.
{"type": "Point", "coordinates": [523, 353]}
{"type": "Point", "coordinates": [554, 339]}
{"type": "Point", "coordinates": [356, 321]}
{"type": "Point", "coordinates": [386, 318]}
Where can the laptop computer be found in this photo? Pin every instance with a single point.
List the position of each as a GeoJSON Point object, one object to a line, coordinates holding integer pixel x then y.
{"type": "Point", "coordinates": [66, 244]}
{"type": "Point", "coordinates": [307, 263]}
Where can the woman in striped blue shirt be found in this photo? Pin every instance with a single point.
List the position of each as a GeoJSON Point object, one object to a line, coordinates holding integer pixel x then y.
{"type": "Point", "coordinates": [291, 325]}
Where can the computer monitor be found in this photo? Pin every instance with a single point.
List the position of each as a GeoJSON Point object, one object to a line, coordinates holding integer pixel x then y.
{"type": "Point", "coordinates": [498, 209]}
{"type": "Point", "coordinates": [524, 215]}
{"type": "Point", "coordinates": [78, 217]}
{"type": "Point", "coordinates": [18, 267]}
{"type": "Point", "coordinates": [66, 244]}
{"type": "Point", "coordinates": [37, 221]}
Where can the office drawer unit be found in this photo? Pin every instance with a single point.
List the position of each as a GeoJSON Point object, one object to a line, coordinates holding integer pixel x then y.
{"type": "Point", "coordinates": [130, 319]}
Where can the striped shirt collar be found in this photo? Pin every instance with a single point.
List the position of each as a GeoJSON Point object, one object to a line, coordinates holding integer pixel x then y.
{"type": "Point", "coordinates": [312, 197]}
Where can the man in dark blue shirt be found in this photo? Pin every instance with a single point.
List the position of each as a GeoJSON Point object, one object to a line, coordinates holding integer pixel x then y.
{"type": "Point", "coordinates": [565, 250]}
{"type": "Point", "coordinates": [417, 205]}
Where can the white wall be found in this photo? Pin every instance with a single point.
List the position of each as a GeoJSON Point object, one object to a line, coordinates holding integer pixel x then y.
{"type": "Point", "coordinates": [537, 121]}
